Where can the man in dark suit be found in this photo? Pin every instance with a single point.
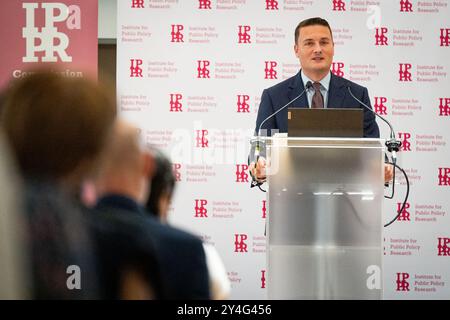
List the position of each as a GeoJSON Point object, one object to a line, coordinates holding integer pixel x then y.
{"type": "Point", "coordinates": [314, 47]}
{"type": "Point", "coordinates": [123, 187]}
{"type": "Point", "coordinates": [279, 95]}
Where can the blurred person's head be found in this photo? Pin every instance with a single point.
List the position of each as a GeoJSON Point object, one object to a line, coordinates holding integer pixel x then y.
{"type": "Point", "coordinates": [162, 185]}
{"type": "Point", "coordinates": [126, 165]}
{"type": "Point", "coordinates": [57, 126]}
{"type": "Point", "coordinates": [124, 171]}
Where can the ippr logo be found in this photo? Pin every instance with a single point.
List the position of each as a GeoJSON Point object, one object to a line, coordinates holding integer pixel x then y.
{"type": "Point", "coordinates": [200, 209]}
{"type": "Point", "coordinates": [271, 5]}
{"type": "Point", "coordinates": [404, 137]}
{"type": "Point", "coordinates": [204, 4]}
{"type": "Point", "coordinates": [175, 102]}
{"type": "Point", "coordinates": [443, 247]}
{"type": "Point", "coordinates": [404, 215]}
{"type": "Point", "coordinates": [263, 279]}
{"type": "Point", "coordinates": [241, 173]}
{"type": "Point", "coordinates": [445, 37]}
{"type": "Point", "coordinates": [336, 68]}
{"type": "Point", "coordinates": [239, 243]}
{"type": "Point", "coordinates": [135, 69]}
{"type": "Point", "coordinates": [338, 5]}
{"type": "Point", "coordinates": [380, 36]}
{"type": "Point", "coordinates": [379, 105]}
{"type": "Point", "coordinates": [202, 68]}
{"type": "Point", "coordinates": [242, 105]}
{"type": "Point", "coordinates": [176, 167]}
{"type": "Point", "coordinates": [137, 4]}
{"type": "Point", "coordinates": [264, 209]}
{"type": "Point", "coordinates": [50, 40]}
{"type": "Point", "coordinates": [402, 283]}
{"type": "Point", "coordinates": [202, 141]}
{"type": "Point", "coordinates": [177, 35]}
{"type": "Point", "coordinates": [444, 176]}
{"type": "Point", "coordinates": [270, 72]}
{"type": "Point", "coordinates": [444, 107]}
{"type": "Point", "coordinates": [244, 35]}
{"type": "Point", "coordinates": [405, 6]}
{"type": "Point", "coordinates": [404, 73]}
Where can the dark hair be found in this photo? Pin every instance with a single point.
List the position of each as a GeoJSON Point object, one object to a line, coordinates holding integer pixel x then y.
{"type": "Point", "coordinates": [1, 102]}
{"type": "Point", "coordinates": [312, 22]}
{"type": "Point", "coordinates": [54, 123]}
{"type": "Point", "coordinates": [163, 181]}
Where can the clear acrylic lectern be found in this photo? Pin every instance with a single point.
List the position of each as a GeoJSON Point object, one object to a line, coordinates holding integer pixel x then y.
{"type": "Point", "coordinates": [324, 232]}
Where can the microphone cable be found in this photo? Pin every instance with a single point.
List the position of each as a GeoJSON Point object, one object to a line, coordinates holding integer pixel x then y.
{"type": "Point", "coordinates": [406, 195]}
{"type": "Point", "coordinates": [393, 145]}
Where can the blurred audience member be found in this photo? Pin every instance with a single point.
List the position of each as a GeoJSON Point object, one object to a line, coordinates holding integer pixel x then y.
{"type": "Point", "coordinates": [162, 183]}
{"type": "Point", "coordinates": [14, 282]}
{"type": "Point", "coordinates": [57, 128]}
{"type": "Point", "coordinates": [158, 203]}
{"type": "Point", "coordinates": [129, 265]}
{"type": "Point", "coordinates": [123, 187]}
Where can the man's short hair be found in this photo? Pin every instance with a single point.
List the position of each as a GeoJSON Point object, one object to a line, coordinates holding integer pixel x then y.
{"type": "Point", "coordinates": [54, 124]}
{"type": "Point", "coordinates": [312, 22]}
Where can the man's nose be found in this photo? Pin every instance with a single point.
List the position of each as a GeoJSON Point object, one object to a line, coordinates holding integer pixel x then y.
{"type": "Point", "coordinates": [317, 48]}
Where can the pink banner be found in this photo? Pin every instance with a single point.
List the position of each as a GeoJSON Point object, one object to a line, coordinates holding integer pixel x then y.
{"type": "Point", "coordinates": [60, 35]}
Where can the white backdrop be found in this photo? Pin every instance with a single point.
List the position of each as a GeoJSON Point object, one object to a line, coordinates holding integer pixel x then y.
{"type": "Point", "coordinates": [190, 75]}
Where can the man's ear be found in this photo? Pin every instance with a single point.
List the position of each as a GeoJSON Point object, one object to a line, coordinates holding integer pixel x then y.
{"type": "Point", "coordinates": [149, 164]}
{"type": "Point", "coordinates": [296, 50]}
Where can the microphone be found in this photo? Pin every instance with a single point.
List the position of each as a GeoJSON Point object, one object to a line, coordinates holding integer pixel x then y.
{"type": "Point", "coordinates": [259, 143]}
{"type": "Point", "coordinates": [307, 87]}
{"type": "Point", "coordinates": [393, 145]}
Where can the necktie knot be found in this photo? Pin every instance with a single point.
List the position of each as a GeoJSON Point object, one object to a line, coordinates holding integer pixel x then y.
{"type": "Point", "coordinates": [317, 86]}
{"type": "Point", "coordinates": [317, 99]}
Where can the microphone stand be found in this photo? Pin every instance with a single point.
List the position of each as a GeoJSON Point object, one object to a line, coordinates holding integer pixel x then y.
{"type": "Point", "coordinates": [260, 145]}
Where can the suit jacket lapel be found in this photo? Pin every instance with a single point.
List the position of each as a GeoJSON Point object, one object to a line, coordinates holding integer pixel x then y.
{"type": "Point", "coordinates": [336, 92]}
{"type": "Point", "coordinates": [295, 88]}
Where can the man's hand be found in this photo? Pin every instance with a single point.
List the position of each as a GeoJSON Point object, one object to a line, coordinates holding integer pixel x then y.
{"type": "Point", "coordinates": [388, 172]}
{"type": "Point", "coordinates": [258, 171]}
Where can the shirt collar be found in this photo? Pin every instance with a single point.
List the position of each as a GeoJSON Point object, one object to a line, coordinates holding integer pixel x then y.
{"type": "Point", "coordinates": [325, 82]}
